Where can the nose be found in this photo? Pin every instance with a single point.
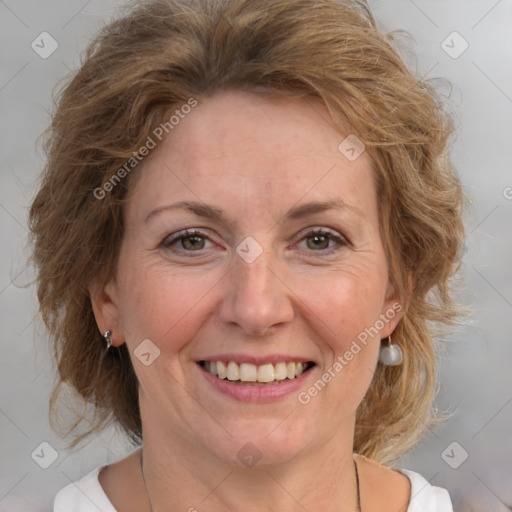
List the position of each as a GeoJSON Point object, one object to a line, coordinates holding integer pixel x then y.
{"type": "Point", "coordinates": [257, 298]}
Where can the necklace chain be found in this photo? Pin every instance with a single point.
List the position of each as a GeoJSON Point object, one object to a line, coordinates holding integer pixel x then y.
{"type": "Point", "coordinates": [357, 486]}
{"type": "Point", "coordinates": [355, 467]}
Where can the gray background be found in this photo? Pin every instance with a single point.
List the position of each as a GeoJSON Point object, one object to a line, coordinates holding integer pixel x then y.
{"type": "Point", "coordinates": [475, 377]}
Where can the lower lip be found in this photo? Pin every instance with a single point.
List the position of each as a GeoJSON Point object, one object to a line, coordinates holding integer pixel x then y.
{"type": "Point", "coordinates": [256, 394]}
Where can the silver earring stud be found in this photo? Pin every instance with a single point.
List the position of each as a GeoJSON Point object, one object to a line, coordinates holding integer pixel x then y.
{"type": "Point", "coordinates": [389, 354]}
{"type": "Point", "coordinates": [108, 338]}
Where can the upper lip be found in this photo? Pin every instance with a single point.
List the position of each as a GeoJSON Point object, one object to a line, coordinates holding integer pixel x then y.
{"type": "Point", "coordinates": [257, 360]}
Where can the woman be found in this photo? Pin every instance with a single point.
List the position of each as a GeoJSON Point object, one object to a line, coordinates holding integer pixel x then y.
{"type": "Point", "coordinates": [246, 222]}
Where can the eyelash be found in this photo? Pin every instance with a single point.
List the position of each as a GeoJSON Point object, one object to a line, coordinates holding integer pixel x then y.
{"type": "Point", "coordinates": [341, 241]}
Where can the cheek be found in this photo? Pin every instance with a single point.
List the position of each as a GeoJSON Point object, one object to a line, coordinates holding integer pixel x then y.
{"type": "Point", "coordinates": [343, 310]}
{"type": "Point", "coordinates": [345, 303]}
{"type": "Point", "coordinates": [169, 305]}
{"type": "Point", "coordinates": [162, 304]}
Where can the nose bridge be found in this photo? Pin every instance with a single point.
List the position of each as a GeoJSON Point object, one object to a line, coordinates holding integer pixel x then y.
{"type": "Point", "coordinates": [256, 298]}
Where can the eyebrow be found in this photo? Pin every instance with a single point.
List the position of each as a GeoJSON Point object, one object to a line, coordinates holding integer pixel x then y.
{"type": "Point", "coordinates": [297, 212]}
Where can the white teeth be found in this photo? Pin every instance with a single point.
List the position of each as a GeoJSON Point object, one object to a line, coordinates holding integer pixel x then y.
{"type": "Point", "coordinates": [290, 370]}
{"type": "Point", "coordinates": [280, 371]}
{"type": "Point", "coordinates": [266, 373]}
{"type": "Point", "coordinates": [247, 372]}
{"type": "Point", "coordinates": [233, 372]}
{"type": "Point", "coordinates": [221, 370]}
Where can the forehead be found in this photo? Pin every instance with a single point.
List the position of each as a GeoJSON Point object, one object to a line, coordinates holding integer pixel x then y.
{"type": "Point", "coordinates": [243, 148]}
{"type": "Point", "coordinates": [238, 125]}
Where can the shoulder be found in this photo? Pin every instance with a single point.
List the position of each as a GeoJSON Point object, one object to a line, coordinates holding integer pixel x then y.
{"type": "Point", "coordinates": [399, 490]}
{"type": "Point", "coordinates": [84, 495]}
{"type": "Point", "coordinates": [426, 497]}
{"type": "Point", "coordinates": [108, 488]}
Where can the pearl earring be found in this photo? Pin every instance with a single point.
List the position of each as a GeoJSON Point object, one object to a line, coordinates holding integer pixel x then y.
{"type": "Point", "coordinates": [389, 354]}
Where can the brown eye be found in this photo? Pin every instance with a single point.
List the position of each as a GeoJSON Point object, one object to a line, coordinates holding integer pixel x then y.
{"type": "Point", "coordinates": [318, 242]}
{"type": "Point", "coordinates": [192, 242]}
{"type": "Point", "coordinates": [186, 241]}
{"type": "Point", "coordinates": [323, 241]}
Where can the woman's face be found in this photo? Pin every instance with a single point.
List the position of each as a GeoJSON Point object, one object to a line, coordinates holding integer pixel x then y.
{"type": "Point", "coordinates": [264, 275]}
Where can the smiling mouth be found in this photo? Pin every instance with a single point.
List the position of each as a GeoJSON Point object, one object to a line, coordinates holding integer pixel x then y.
{"type": "Point", "coordinates": [247, 374]}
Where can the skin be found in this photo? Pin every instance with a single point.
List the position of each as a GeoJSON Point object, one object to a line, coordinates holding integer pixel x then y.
{"type": "Point", "coordinates": [255, 159]}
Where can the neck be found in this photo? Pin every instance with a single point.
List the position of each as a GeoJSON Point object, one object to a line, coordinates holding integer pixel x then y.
{"type": "Point", "coordinates": [180, 476]}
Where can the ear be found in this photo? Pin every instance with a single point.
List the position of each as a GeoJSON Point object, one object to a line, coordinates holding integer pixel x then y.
{"type": "Point", "coordinates": [393, 309]}
{"type": "Point", "coordinates": [105, 307]}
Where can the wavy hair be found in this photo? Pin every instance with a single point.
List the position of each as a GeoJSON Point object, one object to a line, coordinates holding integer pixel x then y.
{"type": "Point", "coordinates": [155, 57]}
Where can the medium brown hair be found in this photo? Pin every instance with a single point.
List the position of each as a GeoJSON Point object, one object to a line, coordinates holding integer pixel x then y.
{"type": "Point", "coordinates": [156, 57]}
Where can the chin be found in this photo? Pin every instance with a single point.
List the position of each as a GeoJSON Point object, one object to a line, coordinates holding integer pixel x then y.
{"type": "Point", "coordinates": [263, 443]}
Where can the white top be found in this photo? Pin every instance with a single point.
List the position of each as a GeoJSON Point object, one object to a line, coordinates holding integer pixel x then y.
{"type": "Point", "coordinates": [87, 495]}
